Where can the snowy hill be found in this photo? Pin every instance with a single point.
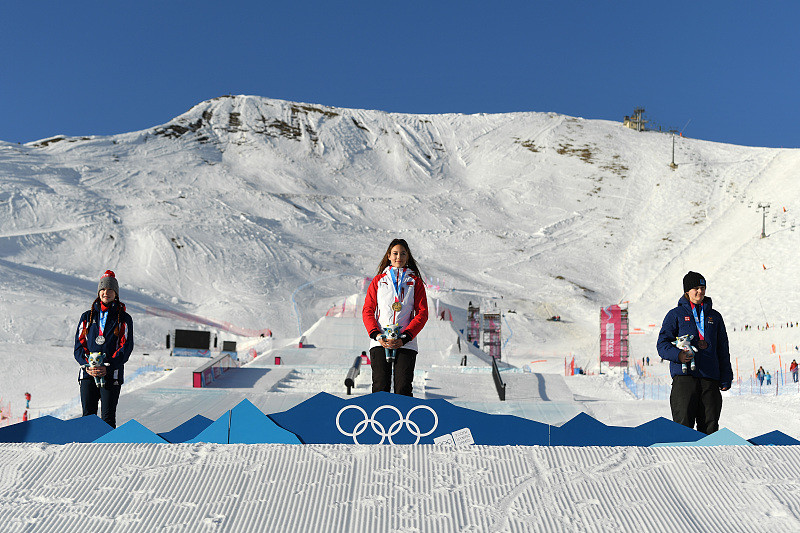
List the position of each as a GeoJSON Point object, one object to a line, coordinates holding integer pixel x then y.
{"type": "Point", "coordinates": [258, 213]}
{"type": "Point", "coordinates": [230, 210]}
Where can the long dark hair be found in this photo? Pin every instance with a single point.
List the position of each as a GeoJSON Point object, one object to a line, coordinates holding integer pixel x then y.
{"type": "Point", "coordinates": [411, 264]}
{"type": "Point", "coordinates": [97, 303]}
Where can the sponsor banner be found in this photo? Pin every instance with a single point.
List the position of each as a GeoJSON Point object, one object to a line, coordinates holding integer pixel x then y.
{"type": "Point", "coordinates": [190, 352]}
{"type": "Point", "coordinates": [610, 334]}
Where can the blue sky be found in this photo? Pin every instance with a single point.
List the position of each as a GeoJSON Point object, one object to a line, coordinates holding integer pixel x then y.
{"type": "Point", "coordinates": [730, 69]}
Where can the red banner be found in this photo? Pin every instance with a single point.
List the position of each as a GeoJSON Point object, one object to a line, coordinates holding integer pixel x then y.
{"type": "Point", "coordinates": [611, 334]}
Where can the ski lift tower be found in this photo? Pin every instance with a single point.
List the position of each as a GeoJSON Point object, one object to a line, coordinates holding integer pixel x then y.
{"type": "Point", "coordinates": [764, 210]}
{"type": "Point", "coordinates": [473, 324]}
{"type": "Point", "coordinates": [491, 334]}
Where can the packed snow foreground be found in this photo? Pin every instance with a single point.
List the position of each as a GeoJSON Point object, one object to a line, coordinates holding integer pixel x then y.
{"type": "Point", "coordinates": [263, 214]}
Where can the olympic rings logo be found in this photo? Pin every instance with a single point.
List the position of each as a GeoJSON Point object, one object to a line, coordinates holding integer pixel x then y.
{"type": "Point", "coordinates": [380, 429]}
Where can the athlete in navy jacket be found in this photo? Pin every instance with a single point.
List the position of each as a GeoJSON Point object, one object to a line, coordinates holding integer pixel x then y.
{"type": "Point", "coordinates": [695, 396]}
{"type": "Point", "coordinates": [106, 328]}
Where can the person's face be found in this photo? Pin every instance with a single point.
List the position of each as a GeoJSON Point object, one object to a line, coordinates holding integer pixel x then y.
{"type": "Point", "coordinates": [107, 295]}
{"type": "Point", "coordinates": [697, 294]}
{"type": "Point", "coordinates": [398, 256]}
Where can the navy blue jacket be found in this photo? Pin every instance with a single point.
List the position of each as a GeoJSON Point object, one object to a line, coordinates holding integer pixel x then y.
{"type": "Point", "coordinates": [713, 362]}
{"type": "Point", "coordinates": [118, 343]}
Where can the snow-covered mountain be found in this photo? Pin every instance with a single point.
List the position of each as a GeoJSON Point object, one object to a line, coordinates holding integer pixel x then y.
{"type": "Point", "coordinates": [263, 213]}
{"type": "Point", "coordinates": [253, 211]}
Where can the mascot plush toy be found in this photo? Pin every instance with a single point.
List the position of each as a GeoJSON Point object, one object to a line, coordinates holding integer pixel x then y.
{"type": "Point", "coordinates": [390, 332]}
{"type": "Point", "coordinates": [685, 343]}
{"type": "Point", "coordinates": [98, 359]}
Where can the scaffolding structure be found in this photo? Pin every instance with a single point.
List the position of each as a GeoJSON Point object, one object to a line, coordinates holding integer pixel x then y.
{"type": "Point", "coordinates": [491, 334]}
{"type": "Point", "coordinates": [473, 324]}
{"type": "Point", "coordinates": [623, 341]}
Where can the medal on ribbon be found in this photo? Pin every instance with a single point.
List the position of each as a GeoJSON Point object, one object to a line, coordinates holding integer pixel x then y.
{"type": "Point", "coordinates": [397, 287]}
{"type": "Point", "coordinates": [701, 327]}
{"type": "Point", "coordinates": [101, 324]}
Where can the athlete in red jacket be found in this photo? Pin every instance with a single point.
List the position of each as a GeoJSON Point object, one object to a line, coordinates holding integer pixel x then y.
{"type": "Point", "coordinates": [396, 295]}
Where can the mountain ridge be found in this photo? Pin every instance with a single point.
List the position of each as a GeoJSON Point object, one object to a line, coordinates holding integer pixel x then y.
{"type": "Point", "coordinates": [228, 208]}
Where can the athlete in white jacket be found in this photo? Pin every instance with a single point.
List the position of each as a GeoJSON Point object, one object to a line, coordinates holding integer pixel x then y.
{"type": "Point", "coordinates": [395, 296]}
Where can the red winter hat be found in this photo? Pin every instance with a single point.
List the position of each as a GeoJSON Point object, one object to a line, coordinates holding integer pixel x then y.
{"type": "Point", "coordinates": [108, 281]}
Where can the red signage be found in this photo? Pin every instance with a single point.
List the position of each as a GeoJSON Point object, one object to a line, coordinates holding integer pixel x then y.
{"type": "Point", "coordinates": [611, 334]}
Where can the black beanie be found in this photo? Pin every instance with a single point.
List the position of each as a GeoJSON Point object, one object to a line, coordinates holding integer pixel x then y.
{"type": "Point", "coordinates": [692, 280]}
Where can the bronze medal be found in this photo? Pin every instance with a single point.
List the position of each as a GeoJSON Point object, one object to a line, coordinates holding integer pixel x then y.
{"type": "Point", "coordinates": [702, 344]}
{"type": "Point", "coordinates": [397, 306]}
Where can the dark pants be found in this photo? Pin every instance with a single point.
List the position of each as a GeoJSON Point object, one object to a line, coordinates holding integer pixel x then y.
{"type": "Point", "coordinates": [108, 398]}
{"type": "Point", "coordinates": [403, 370]}
{"type": "Point", "coordinates": [696, 400]}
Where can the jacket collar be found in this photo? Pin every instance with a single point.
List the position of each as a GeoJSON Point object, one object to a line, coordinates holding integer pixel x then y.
{"type": "Point", "coordinates": [111, 307]}
{"type": "Point", "coordinates": [684, 302]}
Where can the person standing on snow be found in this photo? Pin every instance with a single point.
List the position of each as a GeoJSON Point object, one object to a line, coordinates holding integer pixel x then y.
{"type": "Point", "coordinates": [695, 396]}
{"type": "Point", "coordinates": [107, 328]}
{"type": "Point", "coordinates": [396, 295]}
{"type": "Point", "coordinates": [793, 370]}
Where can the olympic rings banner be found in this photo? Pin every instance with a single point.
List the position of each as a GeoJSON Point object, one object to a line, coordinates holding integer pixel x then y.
{"type": "Point", "coordinates": [379, 418]}
{"type": "Point", "coordinates": [384, 418]}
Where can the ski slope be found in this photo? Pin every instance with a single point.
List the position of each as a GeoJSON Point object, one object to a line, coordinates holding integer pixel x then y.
{"type": "Point", "coordinates": [267, 214]}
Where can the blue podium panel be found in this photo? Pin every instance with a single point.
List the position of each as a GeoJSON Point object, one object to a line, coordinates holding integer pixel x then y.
{"type": "Point", "coordinates": [774, 438]}
{"type": "Point", "coordinates": [217, 432]}
{"type": "Point", "coordinates": [83, 429]}
{"type": "Point", "coordinates": [384, 418]}
{"type": "Point", "coordinates": [251, 426]}
{"type": "Point", "coordinates": [131, 432]}
{"type": "Point", "coordinates": [583, 430]}
{"type": "Point", "coordinates": [664, 430]}
{"type": "Point", "coordinates": [44, 429]}
{"type": "Point", "coordinates": [188, 430]}
{"type": "Point", "coordinates": [56, 431]}
{"type": "Point", "coordinates": [723, 437]}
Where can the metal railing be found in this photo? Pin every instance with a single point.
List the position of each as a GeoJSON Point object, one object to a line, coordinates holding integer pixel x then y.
{"type": "Point", "coordinates": [352, 374]}
{"type": "Point", "coordinates": [498, 381]}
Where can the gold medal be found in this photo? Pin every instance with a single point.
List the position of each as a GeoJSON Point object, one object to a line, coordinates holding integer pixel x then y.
{"type": "Point", "coordinates": [397, 306]}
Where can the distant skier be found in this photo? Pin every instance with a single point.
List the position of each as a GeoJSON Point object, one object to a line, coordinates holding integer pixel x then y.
{"type": "Point", "coordinates": [107, 328]}
{"type": "Point", "coordinates": [793, 370]}
{"type": "Point", "coordinates": [396, 295]}
{"type": "Point", "coordinates": [695, 396]}
{"type": "Point", "coordinates": [760, 374]}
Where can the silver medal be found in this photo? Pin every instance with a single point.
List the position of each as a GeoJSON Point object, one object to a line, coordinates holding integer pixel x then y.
{"type": "Point", "coordinates": [100, 339]}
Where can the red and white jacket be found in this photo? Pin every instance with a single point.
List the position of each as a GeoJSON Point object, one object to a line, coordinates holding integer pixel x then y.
{"type": "Point", "coordinates": [378, 312]}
